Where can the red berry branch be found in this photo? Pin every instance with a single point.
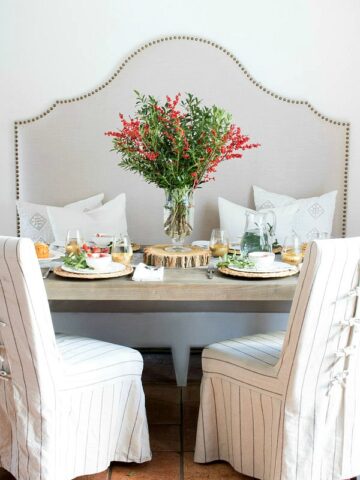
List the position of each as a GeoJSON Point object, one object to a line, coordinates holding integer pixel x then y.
{"type": "Point", "coordinates": [178, 144]}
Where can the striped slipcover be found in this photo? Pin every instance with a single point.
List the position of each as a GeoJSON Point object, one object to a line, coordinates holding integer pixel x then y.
{"type": "Point", "coordinates": [287, 405]}
{"type": "Point", "coordinates": [68, 405]}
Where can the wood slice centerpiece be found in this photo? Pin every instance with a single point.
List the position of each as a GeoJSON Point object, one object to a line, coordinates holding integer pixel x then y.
{"type": "Point", "coordinates": [157, 256]}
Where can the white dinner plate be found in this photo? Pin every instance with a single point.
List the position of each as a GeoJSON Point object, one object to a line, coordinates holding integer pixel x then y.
{"type": "Point", "coordinates": [52, 256]}
{"type": "Point", "coordinates": [112, 268]}
{"type": "Point", "coordinates": [276, 267]}
{"type": "Point", "coordinates": [201, 243]}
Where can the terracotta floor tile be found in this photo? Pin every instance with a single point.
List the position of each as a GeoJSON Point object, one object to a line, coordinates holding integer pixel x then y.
{"type": "Point", "coordinates": [190, 410]}
{"type": "Point", "coordinates": [190, 415]}
{"type": "Point", "coordinates": [158, 368]}
{"type": "Point", "coordinates": [165, 438]}
{"type": "Point", "coordinates": [191, 393]}
{"type": "Point", "coordinates": [163, 404]}
{"type": "Point", "coordinates": [163, 466]}
{"type": "Point", "coordinates": [195, 370]}
{"type": "Point", "coordinates": [97, 476]}
{"type": "Point", "coordinates": [210, 471]}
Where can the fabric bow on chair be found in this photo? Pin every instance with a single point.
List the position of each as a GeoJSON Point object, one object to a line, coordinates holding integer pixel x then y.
{"type": "Point", "coordinates": [286, 405]}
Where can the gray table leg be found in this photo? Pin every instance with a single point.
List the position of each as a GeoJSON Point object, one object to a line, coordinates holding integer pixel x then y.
{"type": "Point", "coordinates": [181, 354]}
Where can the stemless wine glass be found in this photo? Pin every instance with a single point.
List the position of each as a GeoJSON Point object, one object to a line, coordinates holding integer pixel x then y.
{"type": "Point", "coordinates": [219, 243]}
{"type": "Point", "coordinates": [292, 250]}
{"type": "Point", "coordinates": [313, 236]}
{"type": "Point", "coordinates": [74, 242]}
{"type": "Point", "coordinates": [121, 250]}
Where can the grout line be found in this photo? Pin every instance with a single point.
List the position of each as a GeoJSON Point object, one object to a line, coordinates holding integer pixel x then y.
{"type": "Point", "coordinates": [181, 435]}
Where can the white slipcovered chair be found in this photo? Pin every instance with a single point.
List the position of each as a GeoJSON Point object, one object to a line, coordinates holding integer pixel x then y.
{"type": "Point", "coordinates": [286, 405]}
{"type": "Point", "coordinates": [68, 405]}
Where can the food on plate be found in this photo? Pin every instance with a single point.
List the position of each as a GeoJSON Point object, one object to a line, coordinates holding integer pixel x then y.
{"type": "Point", "coordinates": [42, 250]}
{"type": "Point", "coordinates": [239, 261]}
{"type": "Point", "coordinates": [262, 259]}
{"type": "Point", "coordinates": [92, 257]}
{"type": "Point", "coordinates": [102, 239]}
{"type": "Point", "coordinates": [76, 260]}
{"type": "Point", "coordinates": [98, 261]}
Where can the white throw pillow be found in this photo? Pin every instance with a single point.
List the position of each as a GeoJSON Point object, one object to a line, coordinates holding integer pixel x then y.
{"type": "Point", "coordinates": [315, 214]}
{"type": "Point", "coordinates": [233, 219]}
{"type": "Point", "coordinates": [109, 218]}
{"type": "Point", "coordinates": [34, 220]}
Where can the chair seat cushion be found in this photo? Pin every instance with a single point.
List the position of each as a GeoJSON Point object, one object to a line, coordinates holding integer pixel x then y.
{"type": "Point", "coordinates": [257, 353]}
{"type": "Point", "coordinates": [88, 362]}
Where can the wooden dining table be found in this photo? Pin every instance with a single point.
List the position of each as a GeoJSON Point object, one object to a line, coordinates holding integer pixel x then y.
{"type": "Point", "coordinates": [184, 285]}
{"type": "Point", "coordinates": [182, 290]}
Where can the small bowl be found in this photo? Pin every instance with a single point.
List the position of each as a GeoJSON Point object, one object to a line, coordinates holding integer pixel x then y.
{"type": "Point", "coordinates": [102, 240]}
{"type": "Point", "coordinates": [98, 261]}
{"type": "Point", "coordinates": [262, 259]}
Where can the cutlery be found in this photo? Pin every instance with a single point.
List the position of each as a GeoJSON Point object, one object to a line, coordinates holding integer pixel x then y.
{"type": "Point", "coordinates": [148, 267]}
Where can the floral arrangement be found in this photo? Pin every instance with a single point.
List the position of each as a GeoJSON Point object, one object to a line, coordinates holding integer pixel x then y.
{"type": "Point", "coordinates": [177, 145]}
{"type": "Point", "coordinates": [177, 148]}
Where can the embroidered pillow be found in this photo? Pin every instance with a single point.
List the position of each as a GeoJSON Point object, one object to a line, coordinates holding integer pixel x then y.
{"type": "Point", "coordinates": [315, 214]}
{"type": "Point", "coordinates": [109, 218]}
{"type": "Point", "coordinates": [34, 220]}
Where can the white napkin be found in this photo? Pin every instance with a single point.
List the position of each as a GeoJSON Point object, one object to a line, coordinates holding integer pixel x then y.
{"type": "Point", "coordinates": [143, 273]}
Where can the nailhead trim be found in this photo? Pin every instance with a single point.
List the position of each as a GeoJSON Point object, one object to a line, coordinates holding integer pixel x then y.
{"type": "Point", "coordinates": [237, 62]}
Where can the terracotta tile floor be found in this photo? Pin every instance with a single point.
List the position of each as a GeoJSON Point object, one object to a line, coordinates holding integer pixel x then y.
{"type": "Point", "coordinates": [172, 415]}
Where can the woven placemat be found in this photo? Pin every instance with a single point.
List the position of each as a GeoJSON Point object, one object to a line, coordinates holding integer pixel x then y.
{"type": "Point", "coordinates": [235, 273]}
{"type": "Point", "coordinates": [93, 276]}
{"type": "Point", "coordinates": [157, 256]}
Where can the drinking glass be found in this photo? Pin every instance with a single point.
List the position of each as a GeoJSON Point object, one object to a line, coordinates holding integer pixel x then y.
{"type": "Point", "coordinates": [292, 250]}
{"type": "Point", "coordinates": [121, 250]}
{"type": "Point", "coordinates": [74, 242]}
{"type": "Point", "coordinates": [219, 243]}
{"type": "Point", "coordinates": [313, 236]}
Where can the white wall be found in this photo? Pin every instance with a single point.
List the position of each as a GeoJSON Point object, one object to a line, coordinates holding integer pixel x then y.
{"type": "Point", "coordinates": [302, 49]}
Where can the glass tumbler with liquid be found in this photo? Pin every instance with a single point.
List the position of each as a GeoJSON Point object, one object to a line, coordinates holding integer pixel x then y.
{"type": "Point", "coordinates": [74, 242]}
{"type": "Point", "coordinates": [121, 250]}
{"type": "Point", "coordinates": [219, 243]}
{"type": "Point", "coordinates": [292, 250]}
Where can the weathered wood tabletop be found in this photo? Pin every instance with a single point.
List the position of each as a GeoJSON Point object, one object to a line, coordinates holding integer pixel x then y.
{"type": "Point", "coordinates": [179, 285]}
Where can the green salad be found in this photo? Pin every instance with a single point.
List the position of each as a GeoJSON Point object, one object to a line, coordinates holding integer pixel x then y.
{"type": "Point", "coordinates": [240, 261]}
{"type": "Point", "coordinates": [76, 260]}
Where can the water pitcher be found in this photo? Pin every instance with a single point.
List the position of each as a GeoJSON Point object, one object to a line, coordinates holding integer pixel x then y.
{"type": "Point", "coordinates": [259, 232]}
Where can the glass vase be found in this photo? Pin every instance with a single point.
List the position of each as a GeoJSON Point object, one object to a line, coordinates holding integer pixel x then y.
{"type": "Point", "coordinates": [178, 218]}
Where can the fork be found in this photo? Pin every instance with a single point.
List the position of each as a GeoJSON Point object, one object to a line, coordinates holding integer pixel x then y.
{"type": "Point", "coordinates": [210, 272]}
{"type": "Point", "coordinates": [153, 269]}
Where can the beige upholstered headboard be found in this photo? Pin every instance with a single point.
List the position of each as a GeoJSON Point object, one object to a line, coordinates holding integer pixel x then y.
{"type": "Point", "coordinates": [62, 154]}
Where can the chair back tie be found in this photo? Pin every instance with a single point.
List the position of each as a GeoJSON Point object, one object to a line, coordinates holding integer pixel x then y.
{"type": "Point", "coordinates": [346, 351]}
{"type": "Point", "coordinates": [355, 292]}
{"type": "Point", "coordinates": [351, 322]}
{"type": "Point", "coordinates": [338, 380]}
